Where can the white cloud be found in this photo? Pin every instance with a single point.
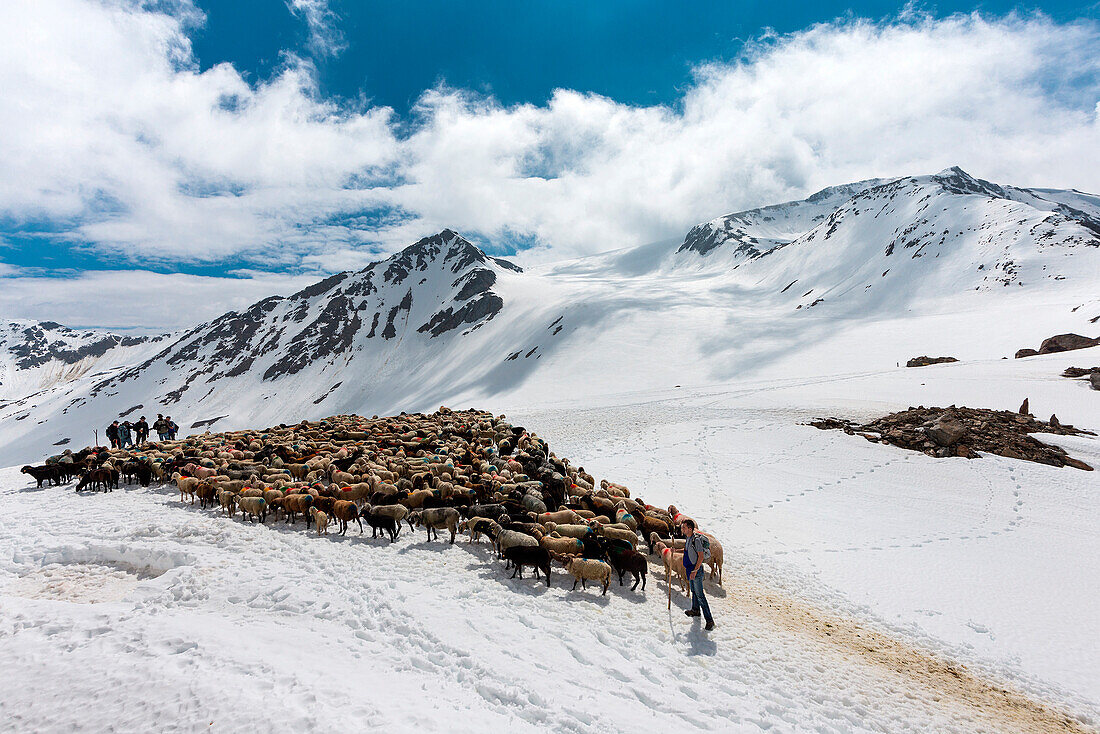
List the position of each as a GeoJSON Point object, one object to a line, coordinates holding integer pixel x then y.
{"type": "Point", "coordinates": [325, 38]}
{"type": "Point", "coordinates": [138, 299]}
{"type": "Point", "coordinates": [107, 122]}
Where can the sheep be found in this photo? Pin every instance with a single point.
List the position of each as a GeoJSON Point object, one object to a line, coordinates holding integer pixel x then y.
{"type": "Point", "coordinates": [622, 516]}
{"type": "Point", "coordinates": [397, 512]}
{"type": "Point", "coordinates": [378, 521]}
{"type": "Point", "coordinates": [651, 524]}
{"type": "Point", "coordinates": [434, 518]}
{"type": "Point", "coordinates": [510, 538]}
{"type": "Point", "coordinates": [206, 493]}
{"type": "Point", "coordinates": [341, 477]}
{"type": "Point", "coordinates": [228, 501]}
{"type": "Point", "coordinates": [320, 520]}
{"type": "Point", "coordinates": [569, 531]}
{"type": "Point", "coordinates": [356, 492]}
{"type": "Point", "coordinates": [674, 543]}
{"type": "Point", "coordinates": [296, 503]}
{"type": "Point", "coordinates": [534, 504]}
{"type": "Point", "coordinates": [520, 556]}
{"type": "Point", "coordinates": [48, 474]}
{"type": "Point", "coordinates": [716, 557]}
{"type": "Point", "coordinates": [415, 500]}
{"type": "Point", "coordinates": [674, 563]}
{"type": "Point", "coordinates": [345, 511]}
{"type": "Point", "coordinates": [186, 485]}
{"type": "Point", "coordinates": [587, 569]}
{"type": "Point", "coordinates": [560, 517]}
{"type": "Point", "coordinates": [253, 507]}
{"type": "Point", "coordinates": [559, 545]}
{"type": "Point", "coordinates": [252, 492]}
{"type": "Point", "coordinates": [478, 526]}
{"type": "Point", "coordinates": [609, 531]}
{"type": "Point", "coordinates": [624, 560]}
{"type": "Point", "coordinates": [490, 512]}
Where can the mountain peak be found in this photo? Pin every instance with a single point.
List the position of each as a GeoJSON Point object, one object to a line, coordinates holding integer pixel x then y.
{"type": "Point", "coordinates": [955, 180]}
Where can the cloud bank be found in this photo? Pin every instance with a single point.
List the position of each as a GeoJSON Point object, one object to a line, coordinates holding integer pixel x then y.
{"type": "Point", "coordinates": [114, 136]}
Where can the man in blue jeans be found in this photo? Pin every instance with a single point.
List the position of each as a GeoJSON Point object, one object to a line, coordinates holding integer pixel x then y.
{"type": "Point", "coordinates": [696, 552]}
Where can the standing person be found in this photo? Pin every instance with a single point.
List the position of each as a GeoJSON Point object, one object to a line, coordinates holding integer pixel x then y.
{"type": "Point", "coordinates": [142, 429]}
{"type": "Point", "coordinates": [171, 426]}
{"type": "Point", "coordinates": [696, 552]}
{"type": "Point", "coordinates": [160, 427]}
{"type": "Point", "coordinates": [124, 438]}
{"type": "Point", "coordinates": [112, 434]}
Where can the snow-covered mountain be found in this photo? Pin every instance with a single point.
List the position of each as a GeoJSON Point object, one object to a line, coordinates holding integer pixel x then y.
{"type": "Point", "coordinates": [867, 273]}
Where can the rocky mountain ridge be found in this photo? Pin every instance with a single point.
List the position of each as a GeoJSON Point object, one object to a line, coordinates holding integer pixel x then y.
{"type": "Point", "coordinates": [442, 320]}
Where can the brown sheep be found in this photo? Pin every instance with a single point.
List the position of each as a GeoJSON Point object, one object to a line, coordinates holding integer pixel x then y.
{"type": "Point", "coordinates": [345, 511]}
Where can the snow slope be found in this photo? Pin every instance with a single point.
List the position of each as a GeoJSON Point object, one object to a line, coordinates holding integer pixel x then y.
{"type": "Point", "coordinates": [868, 589]}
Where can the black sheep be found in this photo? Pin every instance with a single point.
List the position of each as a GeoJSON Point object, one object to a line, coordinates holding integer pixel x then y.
{"type": "Point", "coordinates": [525, 555]}
{"type": "Point", "coordinates": [384, 523]}
{"type": "Point", "coordinates": [48, 473]}
{"type": "Point", "coordinates": [625, 560]}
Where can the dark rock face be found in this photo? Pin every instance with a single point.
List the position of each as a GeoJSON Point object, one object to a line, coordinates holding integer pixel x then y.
{"type": "Point", "coordinates": [39, 346]}
{"type": "Point", "coordinates": [963, 432]}
{"type": "Point", "coordinates": [925, 361]}
{"type": "Point", "coordinates": [485, 307]}
{"type": "Point", "coordinates": [476, 282]}
{"type": "Point", "coordinates": [1067, 343]}
{"type": "Point", "coordinates": [1020, 353]}
{"type": "Point", "coordinates": [329, 334]}
{"type": "Point", "coordinates": [703, 238]}
{"type": "Point", "coordinates": [1094, 380]}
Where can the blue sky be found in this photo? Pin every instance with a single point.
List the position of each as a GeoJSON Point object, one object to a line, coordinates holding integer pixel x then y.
{"type": "Point", "coordinates": [254, 145]}
{"type": "Point", "coordinates": [634, 51]}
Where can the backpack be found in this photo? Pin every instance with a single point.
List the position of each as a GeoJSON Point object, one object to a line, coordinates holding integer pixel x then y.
{"type": "Point", "coordinates": [702, 550]}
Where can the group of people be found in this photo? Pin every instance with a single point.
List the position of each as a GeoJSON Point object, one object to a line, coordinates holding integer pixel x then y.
{"type": "Point", "coordinates": [126, 433]}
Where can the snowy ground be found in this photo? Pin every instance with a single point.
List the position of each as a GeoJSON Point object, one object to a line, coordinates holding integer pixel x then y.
{"type": "Point", "coordinates": [867, 588]}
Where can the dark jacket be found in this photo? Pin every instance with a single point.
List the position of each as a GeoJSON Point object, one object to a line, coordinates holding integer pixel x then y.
{"type": "Point", "coordinates": [112, 431]}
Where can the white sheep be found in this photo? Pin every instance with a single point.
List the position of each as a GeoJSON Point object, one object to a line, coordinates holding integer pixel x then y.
{"type": "Point", "coordinates": [320, 520]}
{"type": "Point", "coordinates": [510, 538]}
{"type": "Point", "coordinates": [587, 569]}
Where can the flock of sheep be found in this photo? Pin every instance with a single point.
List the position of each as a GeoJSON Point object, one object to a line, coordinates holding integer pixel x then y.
{"type": "Point", "coordinates": [457, 471]}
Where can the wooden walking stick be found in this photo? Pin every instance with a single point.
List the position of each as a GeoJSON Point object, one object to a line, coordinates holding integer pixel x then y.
{"type": "Point", "coordinates": [668, 578]}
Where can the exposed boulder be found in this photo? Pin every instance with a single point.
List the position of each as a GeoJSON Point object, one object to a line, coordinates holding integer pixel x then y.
{"type": "Point", "coordinates": [1067, 343]}
{"type": "Point", "coordinates": [1025, 353]}
{"type": "Point", "coordinates": [1094, 379]}
{"type": "Point", "coordinates": [946, 430]}
{"type": "Point", "coordinates": [925, 361]}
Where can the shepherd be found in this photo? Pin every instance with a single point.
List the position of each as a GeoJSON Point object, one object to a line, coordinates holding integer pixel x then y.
{"type": "Point", "coordinates": [696, 553]}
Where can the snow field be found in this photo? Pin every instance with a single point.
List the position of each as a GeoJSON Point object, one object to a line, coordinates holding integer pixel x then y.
{"type": "Point", "coordinates": [867, 588]}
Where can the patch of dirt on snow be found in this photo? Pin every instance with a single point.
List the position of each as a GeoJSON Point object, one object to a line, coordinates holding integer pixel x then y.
{"type": "Point", "coordinates": [950, 685]}
{"type": "Point", "coordinates": [82, 583]}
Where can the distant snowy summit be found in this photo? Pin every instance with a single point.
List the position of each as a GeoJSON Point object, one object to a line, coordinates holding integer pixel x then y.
{"type": "Point", "coordinates": [842, 236]}
{"type": "Point", "coordinates": [441, 320]}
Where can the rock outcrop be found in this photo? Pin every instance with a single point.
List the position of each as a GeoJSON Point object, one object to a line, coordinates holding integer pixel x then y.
{"type": "Point", "coordinates": [925, 361]}
{"type": "Point", "coordinates": [965, 432]}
